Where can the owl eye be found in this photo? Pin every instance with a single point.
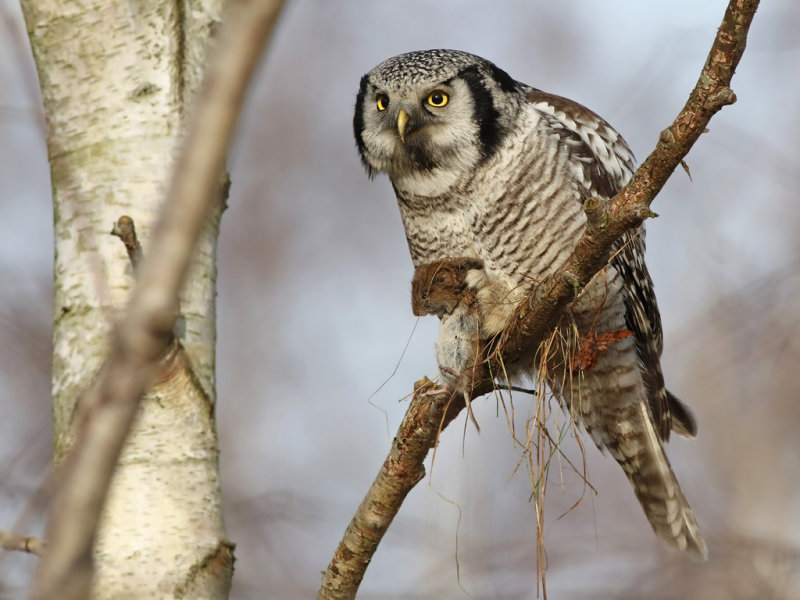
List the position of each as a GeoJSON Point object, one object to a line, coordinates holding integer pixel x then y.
{"type": "Point", "coordinates": [382, 100]}
{"type": "Point", "coordinates": [438, 98]}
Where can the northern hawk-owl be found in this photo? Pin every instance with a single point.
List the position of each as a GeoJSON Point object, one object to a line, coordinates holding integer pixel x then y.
{"type": "Point", "coordinates": [486, 167]}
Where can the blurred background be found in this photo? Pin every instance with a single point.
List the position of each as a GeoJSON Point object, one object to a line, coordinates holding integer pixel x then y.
{"type": "Point", "coordinates": [314, 357]}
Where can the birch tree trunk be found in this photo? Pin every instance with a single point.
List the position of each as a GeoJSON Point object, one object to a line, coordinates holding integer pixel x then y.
{"type": "Point", "coordinates": [116, 80]}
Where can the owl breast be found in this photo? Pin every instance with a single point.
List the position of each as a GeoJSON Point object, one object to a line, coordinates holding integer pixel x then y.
{"type": "Point", "coordinates": [501, 211]}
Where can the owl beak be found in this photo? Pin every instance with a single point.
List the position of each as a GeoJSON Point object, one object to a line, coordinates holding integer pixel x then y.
{"type": "Point", "coordinates": [402, 119]}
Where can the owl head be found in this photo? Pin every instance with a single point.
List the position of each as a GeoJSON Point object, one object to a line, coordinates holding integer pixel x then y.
{"type": "Point", "coordinates": [432, 110]}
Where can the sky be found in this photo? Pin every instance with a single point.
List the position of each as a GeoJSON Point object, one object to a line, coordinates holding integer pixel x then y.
{"type": "Point", "coordinates": [314, 357]}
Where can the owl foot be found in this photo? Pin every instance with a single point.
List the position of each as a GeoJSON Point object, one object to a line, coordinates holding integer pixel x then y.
{"type": "Point", "coordinates": [455, 383]}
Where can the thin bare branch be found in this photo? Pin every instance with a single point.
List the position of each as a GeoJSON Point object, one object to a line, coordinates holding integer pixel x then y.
{"type": "Point", "coordinates": [142, 337]}
{"type": "Point", "coordinates": [125, 230]}
{"type": "Point", "coordinates": [22, 543]}
{"type": "Point", "coordinates": [536, 318]}
{"type": "Point", "coordinates": [428, 413]}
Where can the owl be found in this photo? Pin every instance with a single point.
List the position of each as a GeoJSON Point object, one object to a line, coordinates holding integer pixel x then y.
{"type": "Point", "coordinates": [484, 166]}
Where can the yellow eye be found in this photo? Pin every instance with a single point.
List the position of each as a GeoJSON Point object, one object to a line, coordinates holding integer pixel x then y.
{"type": "Point", "coordinates": [382, 100]}
{"type": "Point", "coordinates": [438, 98]}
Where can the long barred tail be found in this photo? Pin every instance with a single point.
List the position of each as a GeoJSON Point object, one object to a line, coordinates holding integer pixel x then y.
{"type": "Point", "coordinates": [611, 400]}
{"type": "Point", "coordinates": [633, 442]}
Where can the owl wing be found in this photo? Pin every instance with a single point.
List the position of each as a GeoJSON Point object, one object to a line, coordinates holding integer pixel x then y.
{"type": "Point", "coordinates": [606, 163]}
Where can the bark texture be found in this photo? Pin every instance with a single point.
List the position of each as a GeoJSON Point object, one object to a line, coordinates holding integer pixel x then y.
{"type": "Point", "coordinates": [116, 80]}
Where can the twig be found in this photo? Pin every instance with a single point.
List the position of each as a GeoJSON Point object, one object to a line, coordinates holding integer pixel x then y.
{"type": "Point", "coordinates": [535, 319]}
{"type": "Point", "coordinates": [141, 338]}
{"type": "Point", "coordinates": [21, 543]}
{"type": "Point", "coordinates": [125, 229]}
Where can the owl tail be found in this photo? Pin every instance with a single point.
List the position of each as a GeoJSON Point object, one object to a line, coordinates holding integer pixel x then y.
{"type": "Point", "coordinates": [636, 447]}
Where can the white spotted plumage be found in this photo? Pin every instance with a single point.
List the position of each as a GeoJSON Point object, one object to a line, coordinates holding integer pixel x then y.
{"type": "Point", "coordinates": [500, 172]}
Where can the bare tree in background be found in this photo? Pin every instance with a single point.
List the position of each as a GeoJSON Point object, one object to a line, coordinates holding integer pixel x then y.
{"type": "Point", "coordinates": [117, 82]}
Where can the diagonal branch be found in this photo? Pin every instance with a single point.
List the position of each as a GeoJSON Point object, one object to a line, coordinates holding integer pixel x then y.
{"type": "Point", "coordinates": [426, 416]}
{"type": "Point", "coordinates": [141, 340]}
{"type": "Point", "coordinates": [606, 222]}
{"type": "Point", "coordinates": [536, 318]}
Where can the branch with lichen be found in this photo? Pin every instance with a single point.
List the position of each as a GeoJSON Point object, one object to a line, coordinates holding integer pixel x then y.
{"type": "Point", "coordinates": [536, 318]}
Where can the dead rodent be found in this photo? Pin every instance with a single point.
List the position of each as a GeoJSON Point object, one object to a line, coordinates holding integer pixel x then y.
{"type": "Point", "coordinates": [438, 287]}
{"type": "Point", "coordinates": [441, 289]}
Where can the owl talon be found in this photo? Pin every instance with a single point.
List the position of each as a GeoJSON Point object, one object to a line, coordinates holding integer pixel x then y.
{"type": "Point", "coordinates": [439, 390]}
{"type": "Point", "coordinates": [460, 383]}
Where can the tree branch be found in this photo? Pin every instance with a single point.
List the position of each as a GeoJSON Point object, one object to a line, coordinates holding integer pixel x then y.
{"type": "Point", "coordinates": [536, 318]}
{"type": "Point", "coordinates": [142, 337]}
{"type": "Point", "coordinates": [22, 543]}
{"type": "Point", "coordinates": [125, 230]}
{"type": "Point", "coordinates": [428, 413]}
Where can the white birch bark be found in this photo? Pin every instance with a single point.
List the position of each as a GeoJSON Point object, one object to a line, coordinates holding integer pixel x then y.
{"type": "Point", "coordinates": [116, 78]}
